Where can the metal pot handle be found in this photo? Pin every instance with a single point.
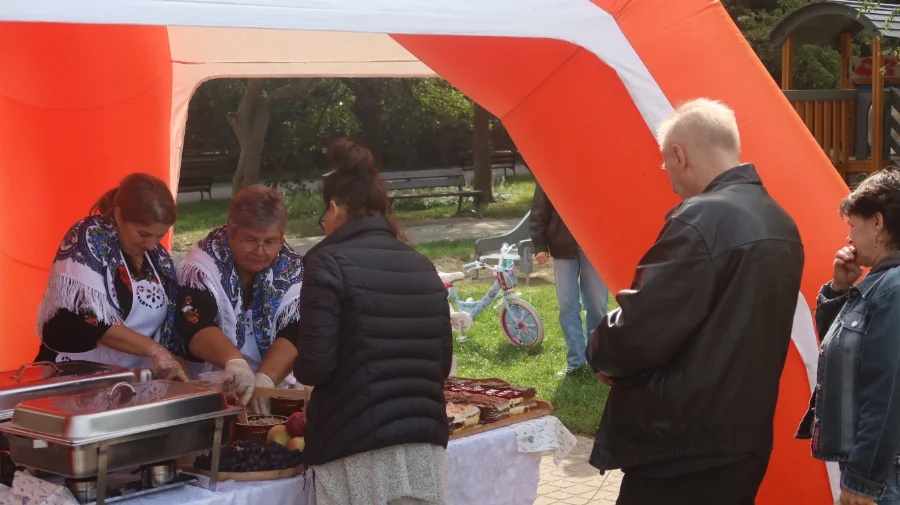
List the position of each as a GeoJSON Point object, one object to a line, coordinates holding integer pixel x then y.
{"type": "Point", "coordinates": [109, 394]}
{"type": "Point", "coordinates": [18, 376]}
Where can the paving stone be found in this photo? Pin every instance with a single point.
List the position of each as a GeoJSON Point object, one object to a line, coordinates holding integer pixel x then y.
{"type": "Point", "coordinates": [578, 489]}
{"type": "Point", "coordinates": [558, 495]}
{"type": "Point", "coordinates": [575, 481]}
{"type": "Point", "coordinates": [545, 488]}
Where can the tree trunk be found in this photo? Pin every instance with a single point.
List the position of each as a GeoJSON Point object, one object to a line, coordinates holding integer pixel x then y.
{"type": "Point", "coordinates": [481, 152]}
{"type": "Point", "coordinates": [252, 143]}
{"type": "Point", "coordinates": [367, 109]}
{"type": "Point", "coordinates": [251, 123]}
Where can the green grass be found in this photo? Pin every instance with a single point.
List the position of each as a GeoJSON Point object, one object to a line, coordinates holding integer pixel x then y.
{"type": "Point", "coordinates": [196, 219]}
{"type": "Point", "coordinates": [578, 400]}
{"type": "Point", "coordinates": [461, 249]}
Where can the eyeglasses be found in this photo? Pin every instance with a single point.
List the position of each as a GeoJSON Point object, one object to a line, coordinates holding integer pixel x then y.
{"type": "Point", "coordinates": [269, 246]}
{"type": "Point", "coordinates": [322, 218]}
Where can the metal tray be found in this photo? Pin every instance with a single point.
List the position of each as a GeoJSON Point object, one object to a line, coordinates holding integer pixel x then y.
{"type": "Point", "coordinates": [119, 427]}
{"type": "Point", "coordinates": [43, 379]}
{"type": "Point", "coordinates": [121, 453]}
{"type": "Point", "coordinates": [114, 412]}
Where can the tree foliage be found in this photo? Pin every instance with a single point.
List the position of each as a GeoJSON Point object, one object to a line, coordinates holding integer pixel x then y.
{"type": "Point", "coordinates": [815, 67]}
{"type": "Point", "coordinates": [418, 123]}
{"type": "Point", "coordinates": [407, 123]}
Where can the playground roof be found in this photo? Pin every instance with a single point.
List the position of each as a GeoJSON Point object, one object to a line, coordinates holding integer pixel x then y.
{"type": "Point", "coordinates": [822, 23]}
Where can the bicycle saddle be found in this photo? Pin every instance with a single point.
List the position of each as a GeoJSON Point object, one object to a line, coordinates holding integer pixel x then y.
{"type": "Point", "coordinates": [447, 278]}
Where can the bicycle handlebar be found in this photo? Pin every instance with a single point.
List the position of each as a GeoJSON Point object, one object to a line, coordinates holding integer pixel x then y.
{"type": "Point", "coordinates": [470, 266]}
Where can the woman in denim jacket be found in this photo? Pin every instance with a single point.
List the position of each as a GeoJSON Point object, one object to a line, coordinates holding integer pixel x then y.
{"type": "Point", "coordinates": [854, 415]}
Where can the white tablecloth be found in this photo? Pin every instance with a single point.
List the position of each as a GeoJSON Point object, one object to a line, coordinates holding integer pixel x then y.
{"type": "Point", "coordinates": [497, 467]}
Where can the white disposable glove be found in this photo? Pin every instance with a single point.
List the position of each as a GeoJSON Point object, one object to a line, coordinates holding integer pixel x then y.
{"type": "Point", "coordinates": [261, 405]}
{"type": "Point", "coordinates": [164, 365]}
{"type": "Point", "coordinates": [244, 379]}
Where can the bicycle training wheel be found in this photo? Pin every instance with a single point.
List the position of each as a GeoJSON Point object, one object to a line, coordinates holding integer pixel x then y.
{"type": "Point", "coordinates": [522, 324]}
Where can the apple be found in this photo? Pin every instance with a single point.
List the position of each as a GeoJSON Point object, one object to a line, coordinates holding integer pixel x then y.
{"type": "Point", "coordinates": [282, 438]}
{"type": "Point", "coordinates": [296, 424]}
{"type": "Point", "coordinates": [274, 431]}
{"type": "Point", "coordinates": [297, 444]}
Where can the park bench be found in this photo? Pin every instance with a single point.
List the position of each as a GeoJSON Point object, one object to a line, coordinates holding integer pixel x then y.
{"type": "Point", "coordinates": [499, 159]}
{"type": "Point", "coordinates": [196, 182]}
{"type": "Point", "coordinates": [199, 170]}
{"type": "Point", "coordinates": [439, 180]}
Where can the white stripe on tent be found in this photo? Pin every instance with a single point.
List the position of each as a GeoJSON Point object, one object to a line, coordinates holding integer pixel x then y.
{"type": "Point", "coordinates": [577, 21]}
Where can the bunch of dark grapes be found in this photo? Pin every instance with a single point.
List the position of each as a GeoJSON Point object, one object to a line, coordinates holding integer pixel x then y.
{"type": "Point", "coordinates": [246, 456]}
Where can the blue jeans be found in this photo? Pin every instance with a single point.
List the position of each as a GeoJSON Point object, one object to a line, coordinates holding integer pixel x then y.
{"type": "Point", "coordinates": [891, 490]}
{"type": "Point", "coordinates": [577, 282]}
{"type": "Point", "coordinates": [891, 487]}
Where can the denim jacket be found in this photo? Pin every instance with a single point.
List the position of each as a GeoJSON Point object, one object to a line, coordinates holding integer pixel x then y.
{"type": "Point", "coordinates": [854, 413]}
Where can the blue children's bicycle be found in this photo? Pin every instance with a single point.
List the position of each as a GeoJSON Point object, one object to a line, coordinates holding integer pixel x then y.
{"type": "Point", "coordinates": [520, 321]}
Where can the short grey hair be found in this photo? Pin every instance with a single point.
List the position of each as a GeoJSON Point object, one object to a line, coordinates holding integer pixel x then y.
{"type": "Point", "coordinates": [709, 121]}
{"type": "Point", "coordinates": [257, 207]}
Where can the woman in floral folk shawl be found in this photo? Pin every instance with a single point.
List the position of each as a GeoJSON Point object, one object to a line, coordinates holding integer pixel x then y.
{"type": "Point", "coordinates": [112, 289]}
{"type": "Point", "coordinates": [239, 303]}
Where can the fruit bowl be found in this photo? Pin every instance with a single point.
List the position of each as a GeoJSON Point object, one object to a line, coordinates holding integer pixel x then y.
{"type": "Point", "coordinates": [247, 461]}
{"type": "Point", "coordinates": [257, 428]}
{"type": "Point", "coordinates": [286, 406]}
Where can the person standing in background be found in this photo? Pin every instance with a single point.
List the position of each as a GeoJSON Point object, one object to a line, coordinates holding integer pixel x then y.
{"type": "Point", "coordinates": [577, 283]}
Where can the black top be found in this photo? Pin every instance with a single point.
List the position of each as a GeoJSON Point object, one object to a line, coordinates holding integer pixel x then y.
{"type": "Point", "coordinates": [376, 342]}
{"type": "Point", "coordinates": [197, 310]}
{"type": "Point", "coordinates": [697, 347]}
{"type": "Point", "coordinates": [71, 332]}
{"type": "Point", "coordinates": [549, 233]}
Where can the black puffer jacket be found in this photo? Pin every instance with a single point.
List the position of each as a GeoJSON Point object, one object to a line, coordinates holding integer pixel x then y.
{"type": "Point", "coordinates": [375, 342]}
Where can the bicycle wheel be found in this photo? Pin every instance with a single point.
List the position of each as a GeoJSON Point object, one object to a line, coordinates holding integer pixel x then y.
{"type": "Point", "coordinates": [522, 324]}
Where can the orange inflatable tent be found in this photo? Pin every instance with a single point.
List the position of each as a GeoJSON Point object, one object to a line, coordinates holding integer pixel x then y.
{"type": "Point", "coordinates": [581, 86]}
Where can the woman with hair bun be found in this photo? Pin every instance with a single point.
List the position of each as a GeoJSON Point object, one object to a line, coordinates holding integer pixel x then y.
{"type": "Point", "coordinates": [375, 341]}
{"type": "Point", "coordinates": [112, 289]}
{"type": "Point", "coordinates": [854, 413]}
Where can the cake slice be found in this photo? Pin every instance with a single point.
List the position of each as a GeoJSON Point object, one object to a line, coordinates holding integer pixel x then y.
{"type": "Point", "coordinates": [516, 400]}
{"type": "Point", "coordinates": [521, 399]}
{"type": "Point", "coordinates": [466, 415]}
{"type": "Point", "coordinates": [492, 409]}
{"type": "Point", "coordinates": [527, 392]}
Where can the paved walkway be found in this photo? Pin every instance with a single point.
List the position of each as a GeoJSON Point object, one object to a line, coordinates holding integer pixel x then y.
{"type": "Point", "coordinates": [575, 481]}
{"type": "Point", "coordinates": [431, 231]}
{"type": "Point", "coordinates": [222, 190]}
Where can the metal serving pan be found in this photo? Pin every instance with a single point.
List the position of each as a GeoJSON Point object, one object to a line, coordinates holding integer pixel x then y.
{"type": "Point", "coordinates": [43, 379]}
{"type": "Point", "coordinates": [120, 427]}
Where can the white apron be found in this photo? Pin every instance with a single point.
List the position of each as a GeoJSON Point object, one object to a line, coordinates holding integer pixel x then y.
{"type": "Point", "coordinates": [149, 305]}
{"type": "Point", "coordinates": [250, 352]}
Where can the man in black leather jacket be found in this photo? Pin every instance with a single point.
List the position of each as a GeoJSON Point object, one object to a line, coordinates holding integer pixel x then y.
{"type": "Point", "coordinates": [696, 350]}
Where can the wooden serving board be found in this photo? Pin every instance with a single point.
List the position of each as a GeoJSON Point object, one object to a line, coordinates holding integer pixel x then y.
{"type": "Point", "coordinates": [544, 408]}
{"type": "Point", "coordinates": [248, 476]}
{"type": "Point", "coordinates": [290, 394]}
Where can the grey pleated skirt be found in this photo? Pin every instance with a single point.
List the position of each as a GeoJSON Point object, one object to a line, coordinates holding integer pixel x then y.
{"type": "Point", "coordinates": [410, 474]}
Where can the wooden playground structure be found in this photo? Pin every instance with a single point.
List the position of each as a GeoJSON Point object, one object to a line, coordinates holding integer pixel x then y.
{"type": "Point", "coordinates": [857, 125]}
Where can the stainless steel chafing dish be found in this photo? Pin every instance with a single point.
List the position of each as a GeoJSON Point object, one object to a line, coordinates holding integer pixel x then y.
{"type": "Point", "coordinates": [121, 427]}
{"type": "Point", "coordinates": [43, 379]}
